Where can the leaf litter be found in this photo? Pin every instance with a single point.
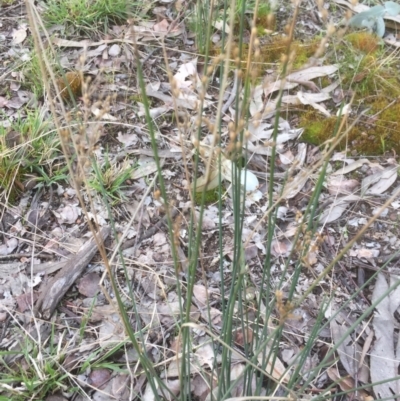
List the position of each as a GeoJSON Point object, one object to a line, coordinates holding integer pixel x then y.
{"type": "Point", "coordinates": [353, 191]}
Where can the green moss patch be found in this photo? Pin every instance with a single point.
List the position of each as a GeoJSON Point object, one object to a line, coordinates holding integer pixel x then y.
{"type": "Point", "coordinates": [372, 77]}
{"type": "Point", "coordinates": [211, 196]}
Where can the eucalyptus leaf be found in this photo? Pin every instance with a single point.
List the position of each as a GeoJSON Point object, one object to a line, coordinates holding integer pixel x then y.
{"type": "Point", "coordinates": [364, 18]}
{"type": "Point", "coordinates": [380, 27]}
{"type": "Point", "coordinates": [373, 18]}
{"type": "Point", "coordinates": [392, 8]}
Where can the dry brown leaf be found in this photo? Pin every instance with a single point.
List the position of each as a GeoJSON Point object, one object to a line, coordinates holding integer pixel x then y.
{"type": "Point", "coordinates": [281, 248]}
{"type": "Point", "coordinates": [111, 331]}
{"type": "Point", "coordinates": [145, 166]}
{"type": "Point", "coordinates": [385, 181]}
{"type": "Point", "coordinates": [384, 357]}
{"type": "Point", "coordinates": [174, 387]}
{"type": "Point", "coordinates": [334, 211]}
{"type": "Point", "coordinates": [346, 383]}
{"type": "Point", "coordinates": [382, 179]}
{"type": "Point", "coordinates": [278, 372]}
{"type": "Point", "coordinates": [311, 258]}
{"type": "Point", "coordinates": [25, 301]}
{"type": "Point", "coordinates": [367, 253]}
{"type": "Point", "coordinates": [201, 294]}
{"type": "Point", "coordinates": [310, 73]}
{"type": "Point", "coordinates": [89, 285]}
{"type": "Point", "coordinates": [120, 386]}
{"type": "Point", "coordinates": [294, 187]}
{"type": "Point", "coordinates": [349, 352]}
{"type": "Point", "coordinates": [19, 35]}
{"type": "Point", "coordinates": [99, 377]}
{"type": "Point", "coordinates": [242, 337]}
{"type": "Point", "coordinates": [351, 167]}
{"type": "Point", "coordinates": [202, 183]}
{"type": "Point", "coordinates": [9, 246]}
{"type": "Point", "coordinates": [200, 387]}
{"type": "Point", "coordinates": [205, 355]}
{"type": "Point", "coordinates": [341, 186]}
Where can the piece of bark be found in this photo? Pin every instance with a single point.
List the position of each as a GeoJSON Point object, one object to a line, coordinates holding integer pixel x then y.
{"type": "Point", "coordinates": [45, 268]}
{"type": "Point", "coordinates": [62, 281]}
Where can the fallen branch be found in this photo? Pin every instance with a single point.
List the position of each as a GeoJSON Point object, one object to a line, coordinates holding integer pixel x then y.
{"type": "Point", "coordinates": [62, 281]}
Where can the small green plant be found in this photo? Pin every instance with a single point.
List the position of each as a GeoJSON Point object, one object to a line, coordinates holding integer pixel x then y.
{"type": "Point", "coordinates": [87, 14]}
{"type": "Point", "coordinates": [30, 146]}
{"type": "Point", "coordinates": [109, 179]}
{"type": "Point", "coordinates": [32, 75]}
{"type": "Point", "coordinates": [39, 376]}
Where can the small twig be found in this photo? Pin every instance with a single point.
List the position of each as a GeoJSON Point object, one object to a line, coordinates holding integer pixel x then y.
{"type": "Point", "coordinates": [22, 255]}
{"type": "Point", "coordinates": [70, 314]}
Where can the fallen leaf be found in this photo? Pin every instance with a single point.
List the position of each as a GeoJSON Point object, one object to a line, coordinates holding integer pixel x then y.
{"type": "Point", "coordinates": [9, 246]}
{"type": "Point", "coordinates": [145, 166]}
{"type": "Point", "coordinates": [89, 285]}
{"type": "Point", "coordinates": [342, 186]}
{"type": "Point", "coordinates": [354, 165]}
{"type": "Point", "coordinates": [367, 253]}
{"type": "Point", "coordinates": [242, 337]}
{"type": "Point", "coordinates": [127, 139]}
{"type": "Point", "coordinates": [349, 352]}
{"type": "Point", "coordinates": [337, 208]}
{"type": "Point", "coordinates": [19, 35]}
{"type": "Point", "coordinates": [202, 183]}
{"type": "Point", "coordinates": [99, 377]}
{"type": "Point", "coordinates": [114, 50]}
{"type": "Point", "coordinates": [310, 73]}
{"type": "Point", "coordinates": [200, 387]}
{"type": "Point", "coordinates": [385, 180]}
{"type": "Point", "coordinates": [281, 248]}
{"type": "Point", "coordinates": [201, 295]}
{"type": "Point", "coordinates": [205, 355]}
{"type": "Point", "coordinates": [67, 214]}
{"type": "Point", "coordinates": [185, 71]}
{"type": "Point", "coordinates": [25, 301]}
{"type": "Point", "coordinates": [279, 372]}
{"type": "Point", "coordinates": [296, 185]}
{"type": "Point", "coordinates": [384, 357]}
{"type": "Point", "coordinates": [346, 383]}
{"type": "Point", "coordinates": [221, 25]}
